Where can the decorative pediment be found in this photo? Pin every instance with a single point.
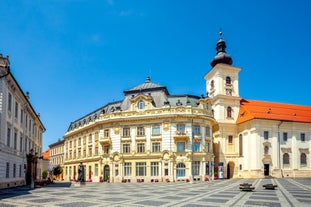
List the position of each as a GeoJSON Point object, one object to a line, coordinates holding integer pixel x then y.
{"type": "Point", "coordinates": [304, 150]}
{"type": "Point", "coordinates": [286, 149]}
{"type": "Point", "coordinates": [266, 143]}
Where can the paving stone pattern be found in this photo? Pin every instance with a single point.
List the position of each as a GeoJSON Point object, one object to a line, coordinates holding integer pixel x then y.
{"type": "Point", "coordinates": [289, 193]}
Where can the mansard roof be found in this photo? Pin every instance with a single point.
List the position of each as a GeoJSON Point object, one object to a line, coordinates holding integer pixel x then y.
{"type": "Point", "coordinates": [252, 109]}
{"type": "Point", "coordinates": [146, 86]}
{"type": "Point", "coordinates": [158, 94]}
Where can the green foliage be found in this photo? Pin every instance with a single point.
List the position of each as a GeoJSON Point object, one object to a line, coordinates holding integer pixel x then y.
{"type": "Point", "coordinates": [57, 170]}
{"type": "Point", "coordinates": [44, 174]}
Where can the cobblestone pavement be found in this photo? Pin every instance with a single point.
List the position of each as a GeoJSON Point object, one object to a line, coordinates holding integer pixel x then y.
{"type": "Point", "coordinates": [290, 192]}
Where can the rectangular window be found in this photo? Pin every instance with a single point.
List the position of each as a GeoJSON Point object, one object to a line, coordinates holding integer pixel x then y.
{"type": "Point", "coordinates": [180, 128]}
{"type": "Point", "coordinates": [196, 130]}
{"type": "Point", "coordinates": [154, 167]}
{"type": "Point", "coordinates": [196, 146]}
{"type": "Point", "coordinates": [126, 148]}
{"type": "Point", "coordinates": [126, 132]}
{"type": "Point", "coordinates": [10, 102]}
{"type": "Point", "coordinates": [196, 167]}
{"type": "Point", "coordinates": [90, 152]}
{"type": "Point", "coordinates": [90, 139]}
{"type": "Point", "coordinates": [96, 169]}
{"type": "Point", "coordinates": [26, 150]}
{"type": "Point", "coordinates": [302, 137]}
{"type": "Point", "coordinates": [140, 131]}
{"type": "Point", "coordinates": [156, 130]}
{"type": "Point", "coordinates": [26, 121]}
{"type": "Point", "coordinates": [140, 169]}
{"type": "Point", "coordinates": [127, 169]}
{"type": "Point", "coordinates": [20, 171]}
{"type": "Point", "coordinates": [14, 170]}
{"type": "Point", "coordinates": [21, 143]}
{"type": "Point", "coordinates": [7, 170]}
{"type": "Point", "coordinates": [106, 133]}
{"type": "Point", "coordinates": [181, 146]}
{"type": "Point", "coordinates": [207, 131]}
{"type": "Point", "coordinates": [16, 110]}
{"type": "Point", "coordinates": [8, 138]}
{"type": "Point", "coordinates": [230, 139]}
{"type": "Point", "coordinates": [15, 140]}
{"type": "Point", "coordinates": [106, 149]}
{"type": "Point", "coordinates": [140, 148]}
{"type": "Point", "coordinates": [285, 136]}
{"type": "Point", "coordinates": [156, 147]}
{"type": "Point", "coordinates": [266, 135]}
{"type": "Point", "coordinates": [22, 114]}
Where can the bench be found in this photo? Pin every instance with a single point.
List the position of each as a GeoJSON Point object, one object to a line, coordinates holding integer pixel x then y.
{"type": "Point", "coordinates": [246, 187]}
{"type": "Point", "coordinates": [269, 186]}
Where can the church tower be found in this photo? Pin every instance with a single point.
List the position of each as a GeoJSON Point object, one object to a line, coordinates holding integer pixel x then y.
{"type": "Point", "coordinates": [222, 86]}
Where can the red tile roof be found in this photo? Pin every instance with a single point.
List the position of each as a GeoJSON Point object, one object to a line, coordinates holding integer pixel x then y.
{"type": "Point", "coordinates": [46, 154]}
{"type": "Point", "coordinates": [251, 109]}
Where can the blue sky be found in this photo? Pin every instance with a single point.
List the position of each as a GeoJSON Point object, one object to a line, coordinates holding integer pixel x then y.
{"type": "Point", "coordinates": [76, 56]}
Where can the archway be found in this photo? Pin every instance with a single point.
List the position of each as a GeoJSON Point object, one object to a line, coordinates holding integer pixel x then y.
{"type": "Point", "coordinates": [230, 170]}
{"type": "Point", "coordinates": [106, 173]}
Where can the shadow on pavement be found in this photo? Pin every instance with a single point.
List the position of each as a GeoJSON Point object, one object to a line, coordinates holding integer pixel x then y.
{"type": "Point", "coordinates": [25, 190]}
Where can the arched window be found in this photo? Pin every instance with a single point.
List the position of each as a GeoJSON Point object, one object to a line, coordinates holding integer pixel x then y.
{"type": "Point", "coordinates": [285, 160]}
{"type": "Point", "coordinates": [141, 104]}
{"type": "Point", "coordinates": [212, 84]}
{"type": "Point", "coordinates": [229, 112]}
{"type": "Point", "coordinates": [180, 170]}
{"type": "Point", "coordinates": [266, 149]}
{"type": "Point", "coordinates": [303, 159]}
{"type": "Point", "coordinates": [228, 80]}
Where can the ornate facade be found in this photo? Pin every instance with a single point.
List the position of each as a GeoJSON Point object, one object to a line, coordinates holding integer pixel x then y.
{"type": "Point", "coordinates": [152, 136]}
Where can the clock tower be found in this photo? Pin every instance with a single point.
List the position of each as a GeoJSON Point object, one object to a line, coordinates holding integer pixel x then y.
{"type": "Point", "coordinates": [222, 86]}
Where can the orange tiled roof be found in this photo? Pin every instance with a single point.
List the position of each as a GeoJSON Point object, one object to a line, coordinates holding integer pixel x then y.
{"type": "Point", "coordinates": [46, 154]}
{"type": "Point", "coordinates": [251, 109]}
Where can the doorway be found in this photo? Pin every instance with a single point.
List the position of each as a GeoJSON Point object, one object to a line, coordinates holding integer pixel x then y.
{"type": "Point", "coordinates": [106, 173]}
{"type": "Point", "coordinates": [230, 170]}
{"type": "Point", "coordinates": [266, 169]}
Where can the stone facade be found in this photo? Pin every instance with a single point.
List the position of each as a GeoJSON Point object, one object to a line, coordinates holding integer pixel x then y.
{"type": "Point", "coordinates": [20, 129]}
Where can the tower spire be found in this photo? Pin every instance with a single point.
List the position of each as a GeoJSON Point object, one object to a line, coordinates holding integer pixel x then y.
{"type": "Point", "coordinates": [221, 55]}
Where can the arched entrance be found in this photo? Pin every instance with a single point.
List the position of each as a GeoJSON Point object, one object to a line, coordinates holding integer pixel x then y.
{"type": "Point", "coordinates": [230, 170]}
{"type": "Point", "coordinates": [180, 170]}
{"type": "Point", "coordinates": [106, 172]}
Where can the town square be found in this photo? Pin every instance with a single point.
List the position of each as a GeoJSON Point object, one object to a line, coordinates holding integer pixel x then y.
{"type": "Point", "coordinates": [288, 193]}
{"type": "Point", "coordinates": [155, 103]}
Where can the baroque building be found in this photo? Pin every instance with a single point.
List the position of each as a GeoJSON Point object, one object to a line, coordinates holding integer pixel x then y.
{"type": "Point", "coordinates": [20, 129]}
{"type": "Point", "coordinates": [148, 136]}
{"type": "Point", "coordinates": [152, 136]}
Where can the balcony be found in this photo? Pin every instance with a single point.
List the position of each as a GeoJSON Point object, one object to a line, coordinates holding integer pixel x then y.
{"type": "Point", "coordinates": [181, 136]}
{"type": "Point", "coordinates": [105, 140]}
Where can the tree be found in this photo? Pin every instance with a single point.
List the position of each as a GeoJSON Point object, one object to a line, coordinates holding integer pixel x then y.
{"type": "Point", "coordinates": [57, 170]}
{"type": "Point", "coordinates": [44, 174]}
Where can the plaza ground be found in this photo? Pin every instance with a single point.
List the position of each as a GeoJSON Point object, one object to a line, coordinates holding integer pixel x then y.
{"type": "Point", "coordinates": [290, 192]}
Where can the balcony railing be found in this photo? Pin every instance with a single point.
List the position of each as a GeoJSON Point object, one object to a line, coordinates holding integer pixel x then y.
{"type": "Point", "coordinates": [105, 140]}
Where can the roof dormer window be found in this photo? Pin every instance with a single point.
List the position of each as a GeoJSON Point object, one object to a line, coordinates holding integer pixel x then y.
{"type": "Point", "coordinates": [141, 104]}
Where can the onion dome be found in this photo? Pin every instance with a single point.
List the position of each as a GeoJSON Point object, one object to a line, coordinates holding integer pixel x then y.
{"type": "Point", "coordinates": [221, 55]}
